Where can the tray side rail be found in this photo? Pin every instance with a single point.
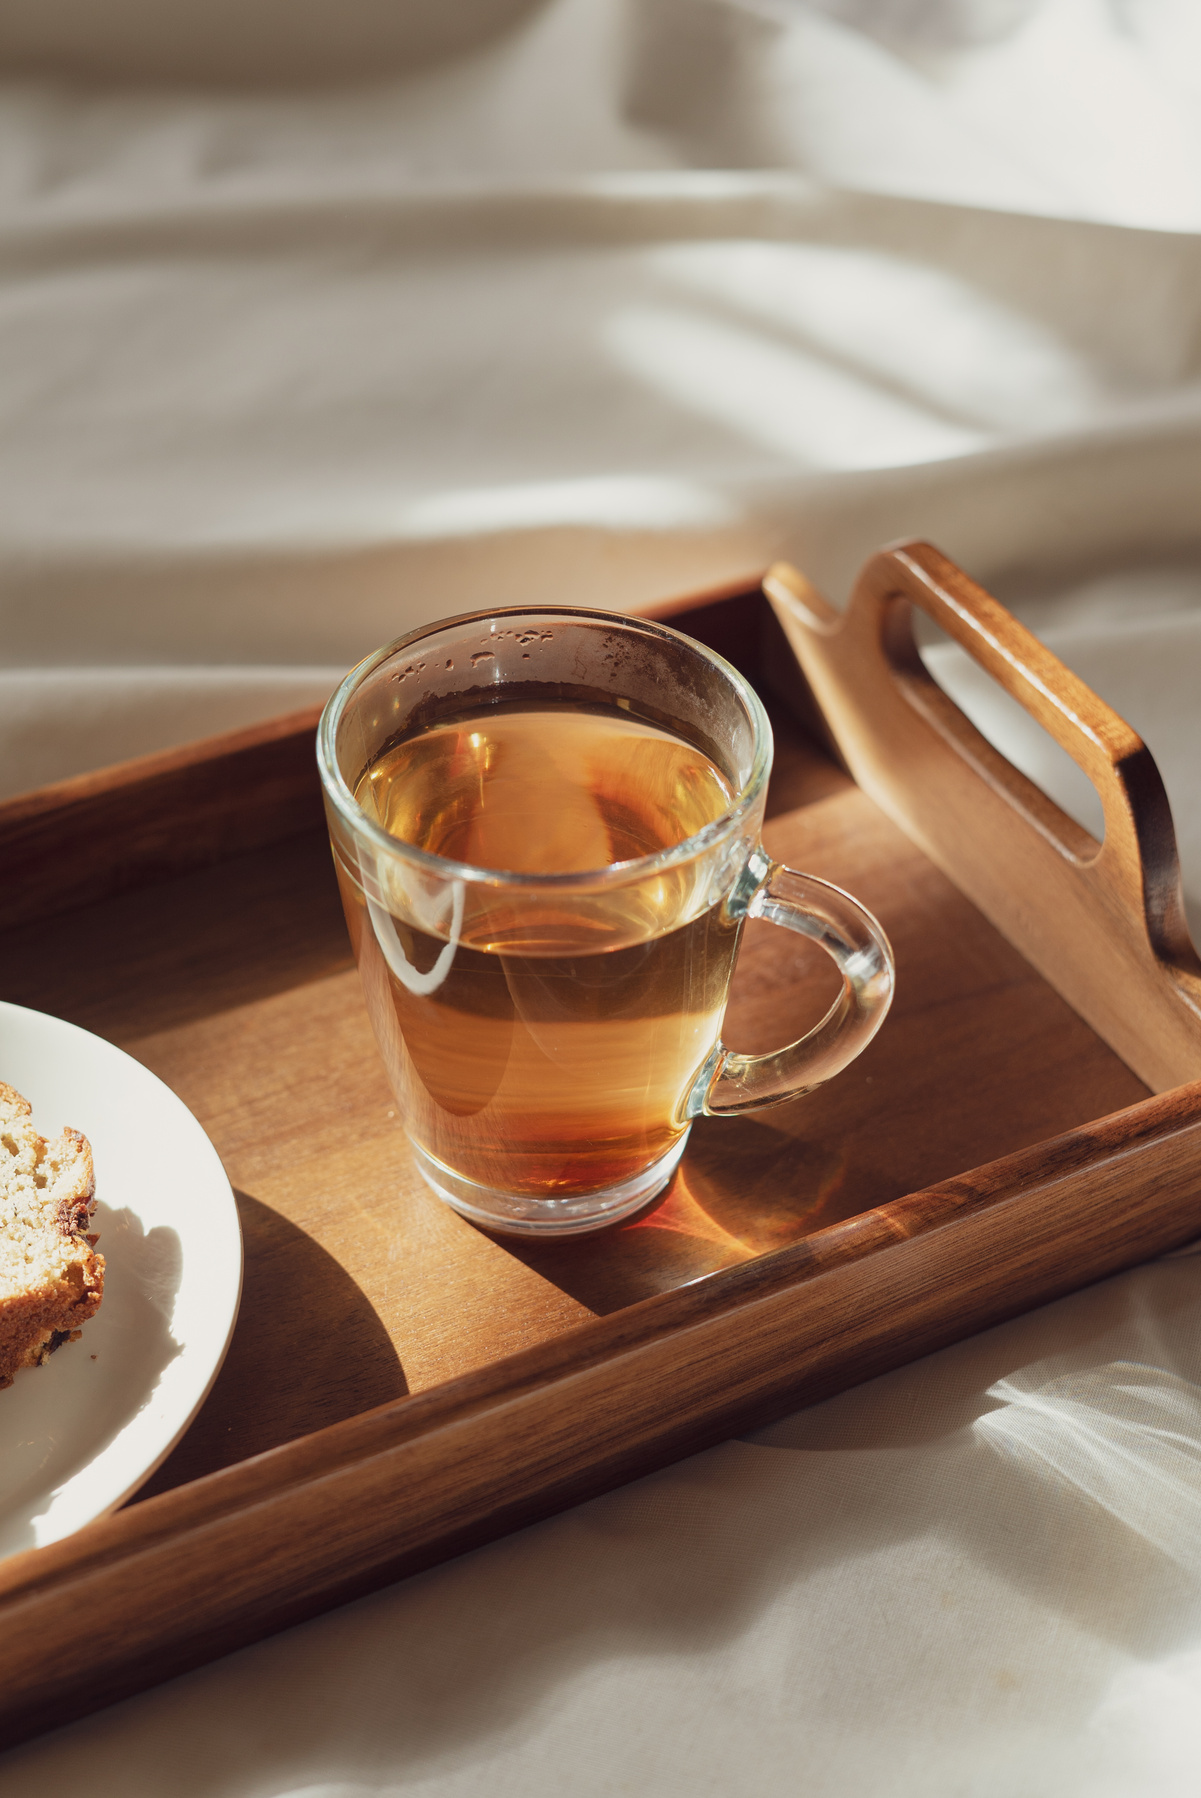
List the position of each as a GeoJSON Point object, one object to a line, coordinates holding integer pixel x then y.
{"type": "Point", "coordinates": [139, 822]}
{"type": "Point", "coordinates": [143, 821]}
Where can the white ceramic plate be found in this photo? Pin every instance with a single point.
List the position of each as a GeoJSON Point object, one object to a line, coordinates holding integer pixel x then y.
{"type": "Point", "coordinates": [82, 1432]}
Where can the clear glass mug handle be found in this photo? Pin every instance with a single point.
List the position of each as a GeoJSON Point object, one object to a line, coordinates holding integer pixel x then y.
{"type": "Point", "coordinates": [852, 938]}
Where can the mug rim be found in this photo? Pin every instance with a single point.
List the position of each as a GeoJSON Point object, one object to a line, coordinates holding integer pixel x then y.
{"type": "Point", "coordinates": [338, 791]}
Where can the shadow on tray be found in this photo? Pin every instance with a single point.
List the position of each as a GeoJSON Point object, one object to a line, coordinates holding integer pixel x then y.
{"type": "Point", "coordinates": [318, 1356]}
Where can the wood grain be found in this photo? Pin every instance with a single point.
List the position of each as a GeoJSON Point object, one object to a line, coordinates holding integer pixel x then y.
{"type": "Point", "coordinates": [192, 1573]}
{"type": "Point", "coordinates": [234, 984]}
{"type": "Point", "coordinates": [81, 840]}
{"type": "Point", "coordinates": [1103, 923]}
{"type": "Point", "coordinates": [486, 1383]}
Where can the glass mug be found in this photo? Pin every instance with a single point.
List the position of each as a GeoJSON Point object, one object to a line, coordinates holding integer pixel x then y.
{"type": "Point", "coordinates": [545, 824]}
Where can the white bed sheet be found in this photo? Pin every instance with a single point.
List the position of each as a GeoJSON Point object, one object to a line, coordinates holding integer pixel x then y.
{"type": "Point", "coordinates": [585, 308]}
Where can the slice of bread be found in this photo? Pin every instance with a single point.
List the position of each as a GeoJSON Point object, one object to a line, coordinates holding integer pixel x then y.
{"type": "Point", "coordinates": [51, 1278]}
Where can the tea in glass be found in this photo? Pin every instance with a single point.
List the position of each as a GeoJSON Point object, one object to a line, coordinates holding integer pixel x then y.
{"type": "Point", "coordinates": [550, 1055]}
{"type": "Point", "coordinates": [545, 825]}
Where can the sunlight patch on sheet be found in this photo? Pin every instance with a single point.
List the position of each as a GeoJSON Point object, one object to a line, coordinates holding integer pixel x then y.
{"type": "Point", "coordinates": [929, 335]}
{"type": "Point", "coordinates": [1124, 1435]}
{"type": "Point", "coordinates": [1148, 1728]}
{"type": "Point", "coordinates": [619, 502]}
{"type": "Point", "coordinates": [782, 398]}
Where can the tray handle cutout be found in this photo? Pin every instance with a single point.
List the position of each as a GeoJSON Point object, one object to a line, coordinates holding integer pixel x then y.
{"type": "Point", "coordinates": [1103, 923]}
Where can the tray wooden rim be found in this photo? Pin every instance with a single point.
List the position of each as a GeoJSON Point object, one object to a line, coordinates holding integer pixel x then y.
{"type": "Point", "coordinates": [335, 1513]}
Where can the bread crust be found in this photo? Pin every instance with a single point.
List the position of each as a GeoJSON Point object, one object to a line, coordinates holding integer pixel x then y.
{"type": "Point", "coordinates": [51, 1277]}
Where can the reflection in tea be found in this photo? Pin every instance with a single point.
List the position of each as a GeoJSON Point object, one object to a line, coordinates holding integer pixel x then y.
{"type": "Point", "coordinates": [541, 1045]}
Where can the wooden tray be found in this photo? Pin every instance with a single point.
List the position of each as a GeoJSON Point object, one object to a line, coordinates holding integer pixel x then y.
{"type": "Point", "coordinates": [400, 1385]}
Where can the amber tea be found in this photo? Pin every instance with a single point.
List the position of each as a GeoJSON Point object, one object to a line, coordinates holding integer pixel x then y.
{"type": "Point", "coordinates": [546, 1050]}
{"type": "Point", "coordinates": [545, 822]}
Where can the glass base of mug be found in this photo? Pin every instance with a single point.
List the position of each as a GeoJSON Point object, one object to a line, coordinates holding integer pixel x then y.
{"type": "Point", "coordinates": [516, 1214]}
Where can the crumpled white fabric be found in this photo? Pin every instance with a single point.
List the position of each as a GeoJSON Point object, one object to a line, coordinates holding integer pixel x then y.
{"type": "Point", "coordinates": [316, 323]}
{"type": "Point", "coordinates": [286, 370]}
